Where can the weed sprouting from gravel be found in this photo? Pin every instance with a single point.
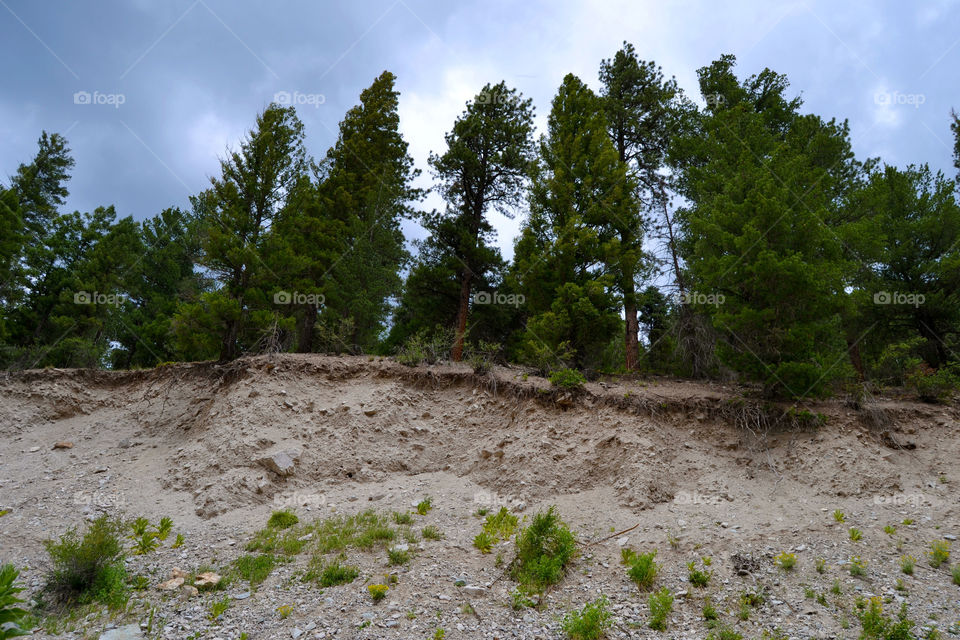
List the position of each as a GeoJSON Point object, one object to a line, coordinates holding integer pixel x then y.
{"type": "Point", "coordinates": [330, 574]}
{"type": "Point", "coordinates": [431, 533]}
{"type": "Point", "coordinates": [89, 568]}
{"type": "Point", "coordinates": [643, 568]}
{"type": "Point", "coordinates": [588, 623]}
{"type": "Point", "coordinates": [661, 604]}
{"type": "Point", "coordinates": [282, 520]}
{"type": "Point", "coordinates": [939, 553]}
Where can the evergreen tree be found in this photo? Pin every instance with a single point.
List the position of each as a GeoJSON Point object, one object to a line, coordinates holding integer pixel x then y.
{"type": "Point", "coordinates": [11, 241]}
{"type": "Point", "coordinates": [488, 156]}
{"type": "Point", "coordinates": [579, 186]}
{"type": "Point", "coordinates": [237, 213]}
{"type": "Point", "coordinates": [639, 105]}
{"type": "Point", "coordinates": [367, 190]}
{"type": "Point", "coordinates": [765, 186]}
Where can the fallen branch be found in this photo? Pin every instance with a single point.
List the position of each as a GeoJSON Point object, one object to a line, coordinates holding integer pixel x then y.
{"type": "Point", "coordinates": [612, 535]}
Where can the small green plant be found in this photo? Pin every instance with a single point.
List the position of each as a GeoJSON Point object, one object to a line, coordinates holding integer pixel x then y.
{"type": "Point", "coordinates": [821, 565]}
{"type": "Point", "coordinates": [11, 614]}
{"type": "Point", "coordinates": [709, 611]}
{"type": "Point", "coordinates": [907, 522]}
{"type": "Point", "coordinates": [164, 528]}
{"type": "Point", "coordinates": [139, 582]}
{"type": "Point", "coordinates": [809, 593]}
{"type": "Point", "coordinates": [139, 526]}
{"type": "Point", "coordinates": [218, 607]}
{"type": "Point", "coordinates": [835, 589]}
{"type": "Point", "coordinates": [402, 518]}
{"type": "Point", "coordinates": [89, 568]}
{"type": "Point", "coordinates": [567, 379]}
{"type": "Point", "coordinates": [839, 516]}
{"type": "Point", "coordinates": [955, 574]}
{"type": "Point", "coordinates": [439, 634]}
{"type": "Point", "coordinates": [661, 604]}
{"type": "Point", "coordinates": [398, 556]}
{"type": "Point", "coordinates": [698, 577]}
{"type": "Point", "coordinates": [178, 542]}
{"type": "Point", "coordinates": [589, 623]}
{"type": "Point", "coordinates": [481, 512]}
{"type": "Point", "coordinates": [786, 561]}
{"type": "Point", "coordinates": [484, 541]}
{"type": "Point", "coordinates": [544, 549]}
{"type": "Point", "coordinates": [939, 553]}
{"type": "Point", "coordinates": [899, 586]}
{"type": "Point", "coordinates": [254, 569]}
{"type": "Point", "coordinates": [146, 543]}
{"type": "Point", "coordinates": [855, 534]}
{"type": "Point", "coordinates": [424, 506]}
{"type": "Point", "coordinates": [519, 600]}
{"type": "Point", "coordinates": [502, 524]}
{"type": "Point", "coordinates": [858, 567]}
{"type": "Point", "coordinates": [378, 591]}
{"type": "Point", "coordinates": [890, 530]}
{"type": "Point", "coordinates": [330, 574]}
{"type": "Point", "coordinates": [725, 633]}
{"type": "Point", "coordinates": [285, 610]}
{"type": "Point", "coordinates": [673, 541]}
{"type": "Point", "coordinates": [431, 533]}
{"type": "Point", "coordinates": [282, 519]}
{"type": "Point", "coordinates": [643, 567]}
{"type": "Point", "coordinates": [907, 564]}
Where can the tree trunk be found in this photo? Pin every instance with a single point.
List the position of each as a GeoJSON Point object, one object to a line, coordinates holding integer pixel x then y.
{"type": "Point", "coordinates": [853, 350]}
{"type": "Point", "coordinates": [462, 311]}
{"type": "Point", "coordinates": [632, 324]}
{"type": "Point", "coordinates": [305, 331]}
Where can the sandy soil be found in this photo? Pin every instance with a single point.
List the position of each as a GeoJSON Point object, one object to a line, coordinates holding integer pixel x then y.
{"type": "Point", "coordinates": [696, 463]}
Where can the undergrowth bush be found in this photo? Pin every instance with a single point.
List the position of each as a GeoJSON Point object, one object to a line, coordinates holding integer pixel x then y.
{"type": "Point", "coordinates": [643, 568]}
{"type": "Point", "coordinates": [567, 379]}
{"type": "Point", "coordinates": [544, 549]}
{"type": "Point", "coordinates": [89, 568]}
{"type": "Point", "coordinates": [10, 613]}
{"type": "Point", "coordinates": [282, 519]}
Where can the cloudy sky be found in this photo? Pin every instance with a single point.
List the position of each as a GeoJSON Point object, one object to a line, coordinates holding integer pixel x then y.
{"type": "Point", "coordinates": [149, 93]}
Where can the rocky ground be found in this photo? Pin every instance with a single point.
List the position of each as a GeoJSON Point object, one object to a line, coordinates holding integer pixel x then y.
{"type": "Point", "coordinates": [688, 469]}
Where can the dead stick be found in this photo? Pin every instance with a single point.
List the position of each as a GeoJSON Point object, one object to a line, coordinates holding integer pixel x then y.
{"type": "Point", "coordinates": [612, 535]}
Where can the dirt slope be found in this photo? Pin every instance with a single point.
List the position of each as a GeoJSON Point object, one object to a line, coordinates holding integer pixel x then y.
{"type": "Point", "coordinates": [208, 446]}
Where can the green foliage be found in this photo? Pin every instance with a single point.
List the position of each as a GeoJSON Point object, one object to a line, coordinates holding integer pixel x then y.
{"type": "Point", "coordinates": [839, 516]}
{"type": "Point", "coordinates": [398, 556]}
{"type": "Point", "coordinates": [725, 633]}
{"type": "Point", "coordinates": [544, 549]}
{"type": "Point", "coordinates": [484, 541]}
{"type": "Point", "coordinates": [858, 567]}
{"type": "Point", "coordinates": [11, 615]}
{"type": "Point", "coordinates": [878, 626]}
{"type": "Point", "coordinates": [377, 591]}
{"type": "Point", "coordinates": [590, 622]}
{"type": "Point", "coordinates": [855, 534]}
{"type": "Point", "coordinates": [139, 526]}
{"type": "Point", "coordinates": [786, 561]}
{"type": "Point", "coordinates": [164, 527]}
{"type": "Point", "coordinates": [907, 564]}
{"type": "Point", "coordinates": [402, 518]}
{"type": "Point", "coordinates": [661, 604]}
{"type": "Point", "coordinates": [145, 543]}
{"type": "Point", "coordinates": [698, 577]}
{"type": "Point", "coordinates": [567, 379]}
{"type": "Point", "coordinates": [430, 532]}
{"type": "Point", "coordinates": [643, 568]}
{"type": "Point", "coordinates": [89, 568]}
{"type": "Point", "coordinates": [933, 386]}
{"type": "Point", "coordinates": [330, 574]}
{"type": "Point", "coordinates": [939, 553]}
{"type": "Point", "coordinates": [424, 506]}
{"type": "Point", "coordinates": [254, 569]}
{"type": "Point", "coordinates": [218, 608]}
{"type": "Point", "coordinates": [282, 520]}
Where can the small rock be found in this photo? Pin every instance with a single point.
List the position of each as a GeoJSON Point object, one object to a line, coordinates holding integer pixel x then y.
{"type": "Point", "coordinates": [296, 632]}
{"type": "Point", "coordinates": [177, 572]}
{"type": "Point", "coordinates": [187, 592]}
{"type": "Point", "coordinates": [949, 537]}
{"type": "Point", "coordinates": [206, 579]}
{"type": "Point", "coordinates": [281, 463]}
{"type": "Point", "coordinates": [623, 541]}
{"type": "Point", "coordinates": [171, 584]}
{"type": "Point", "coordinates": [369, 412]}
{"type": "Point", "coordinates": [474, 590]}
{"type": "Point", "coordinates": [63, 444]}
{"type": "Point", "coordinates": [126, 632]}
{"type": "Point", "coordinates": [241, 595]}
{"type": "Point", "coordinates": [34, 449]}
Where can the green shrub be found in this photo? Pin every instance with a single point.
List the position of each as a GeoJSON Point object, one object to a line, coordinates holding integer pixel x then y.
{"type": "Point", "coordinates": [955, 574]}
{"type": "Point", "coordinates": [282, 520]}
{"type": "Point", "coordinates": [725, 633]}
{"type": "Point", "coordinates": [855, 534]}
{"type": "Point", "coordinates": [543, 551]}
{"type": "Point", "coordinates": [139, 526]}
{"type": "Point", "coordinates": [164, 528]}
{"type": "Point", "coordinates": [424, 506]}
{"type": "Point", "coordinates": [643, 567]}
{"type": "Point", "coordinates": [481, 356]}
{"type": "Point", "coordinates": [786, 561]}
{"type": "Point", "coordinates": [567, 379]}
{"type": "Point", "coordinates": [589, 623]}
{"type": "Point", "coordinates": [10, 614]}
{"type": "Point", "coordinates": [431, 533]}
{"type": "Point", "coordinates": [378, 591]}
{"type": "Point", "coordinates": [146, 543]}
{"type": "Point", "coordinates": [698, 577]}
{"type": "Point", "coordinates": [933, 385]}
{"type": "Point", "coordinates": [907, 564]}
{"type": "Point", "coordinates": [398, 556]}
{"type": "Point", "coordinates": [402, 518]}
{"type": "Point", "coordinates": [661, 604]}
{"type": "Point", "coordinates": [217, 608]}
{"type": "Point", "coordinates": [484, 541]}
{"type": "Point", "coordinates": [89, 568]}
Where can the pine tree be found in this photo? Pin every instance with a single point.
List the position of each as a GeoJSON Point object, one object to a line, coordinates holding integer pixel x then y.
{"type": "Point", "coordinates": [488, 156]}
{"type": "Point", "coordinates": [579, 186]}
{"type": "Point", "coordinates": [237, 213]}
{"type": "Point", "coordinates": [639, 105]}
{"type": "Point", "coordinates": [366, 187]}
{"type": "Point", "coordinates": [765, 186]}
